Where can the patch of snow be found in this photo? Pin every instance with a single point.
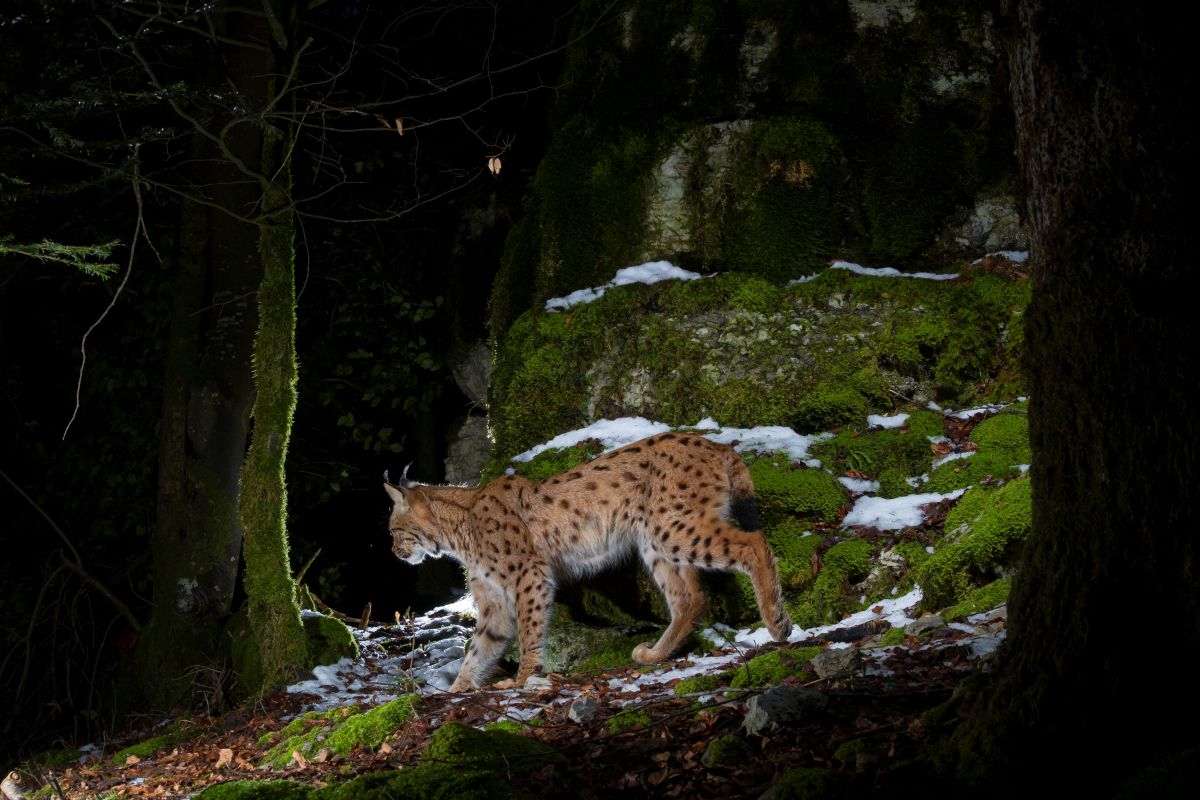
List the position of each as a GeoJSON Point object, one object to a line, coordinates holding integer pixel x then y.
{"type": "Point", "coordinates": [614, 433]}
{"type": "Point", "coordinates": [650, 272]}
{"type": "Point", "coordinates": [890, 514]}
{"type": "Point", "coordinates": [884, 421]}
{"type": "Point", "coordinates": [951, 457]}
{"type": "Point", "coordinates": [891, 272]}
{"type": "Point", "coordinates": [858, 485]}
{"type": "Point", "coordinates": [1015, 256]}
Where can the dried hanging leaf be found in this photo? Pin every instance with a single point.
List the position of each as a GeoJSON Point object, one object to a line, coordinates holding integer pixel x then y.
{"type": "Point", "coordinates": [400, 125]}
{"type": "Point", "coordinates": [493, 165]}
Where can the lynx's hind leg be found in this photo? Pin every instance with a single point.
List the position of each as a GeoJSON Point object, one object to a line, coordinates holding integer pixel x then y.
{"type": "Point", "coordinates": [748, 552]}
{"type": "Point", "coordinates": [495, 627]}
{"type": "Point", "coordinates": [680, 585]}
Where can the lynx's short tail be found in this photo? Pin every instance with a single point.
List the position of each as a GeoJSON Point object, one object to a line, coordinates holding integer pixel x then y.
{"type": "Point", "coordinates": [741, 501]}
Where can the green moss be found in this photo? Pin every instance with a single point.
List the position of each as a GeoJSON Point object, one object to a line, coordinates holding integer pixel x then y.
{"type": "Point", "coordinates": [507, 725]}
{"type": "Point", "coordinates": [727, 751]}
{"type": "Point", "coordinates": [428, 781]}
{"type": "Point", "coordinates": [913, 552]}
{"type": "Point", "coordinates": [894, 636]}
{"type": "Point", "coordinates": [557, 460]}
{"type": "Point", "coordinates": [784, 490]}
{"type": "Point", "coordinates": [871, 452]}
{"type": "Point", "coordinates": [772, 667]}
{"type": "Point", "coordinates": [829, 407]}
{"type": "Point", "coordinates": [371, 727]}
{"type": "Point", "coordinates": [844, 563]}
{"type": "Point", "coordinates": [1007, 433]}
{"type": "Point", "coordinates": [496, 749]}
{"type": "Point", "coordinates": [793, 552]}
{"type": "Point", "coordinates": [893, 483]}
{"type": "Point", "coordinates": [341, 730]}
{"type": "Point", "coordinates": [329, 640]}
{"type": "Point", "coordinates": [701, 684]}
{"type": "Point", "coordinates": [628, 720]}
{"type": "Point", "coordinates": [985, 598]}
{"type": "Point", "coordinates": [810, 783]}
{"type": "Point", "coordinates": [172, 735]}
{"type": "Point", "coordinates": [983, 537]}
{"type": "Point", "coordinates": [257, 790]}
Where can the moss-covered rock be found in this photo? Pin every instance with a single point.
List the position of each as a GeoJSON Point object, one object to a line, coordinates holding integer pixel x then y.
{"type": "Point", "coordinates": [983, 535]}
{"type": "Point", "coordinates": [772, 667]}
{"type": "Point", "coordinates": [329, 640]}
{"type": "Point", "coordinates": [809, 783]}
{"type": "Point", "coordinates": [257, 790]}
{"type": "Point", "coordinates": [339, 729]}
{"type": "Point", "coordinates": [172, 734]}
{"type": "Point", "coordinates": [785, 490]}
{"type": "Point", "coordinates": [727, 751]}
{"type": "Point", "coordinates": [842, 565]}
{"type": "Point", "coordinates": [905, 451]}
{"type": "Point", "coordinates": [629, 720]}
{"type": "Point", "coordinates": [496, 749]}
{"type": "Point", "coordinates": [985, 598]}
{"type": "Point", "coordinates": [813, 355]}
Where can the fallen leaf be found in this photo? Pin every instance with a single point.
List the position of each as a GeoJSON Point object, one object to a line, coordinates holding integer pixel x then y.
{"type": "Point", "coordinates": [224, 757]}
{"type": "Point", "coordinates": [131, 760]}
{"type": "Point", "coordinates": [300, 760]}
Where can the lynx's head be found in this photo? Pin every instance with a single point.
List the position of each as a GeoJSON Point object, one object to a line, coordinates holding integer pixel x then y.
{"type": "Point", "coordinates": [410, 523]}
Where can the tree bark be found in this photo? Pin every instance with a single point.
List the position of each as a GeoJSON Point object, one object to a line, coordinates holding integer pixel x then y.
{"type": "Point", "coordinates": [1106, 603]}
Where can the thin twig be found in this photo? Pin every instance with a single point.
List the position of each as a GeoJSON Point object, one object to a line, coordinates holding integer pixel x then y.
{"type": "Point", "coordinates": [139, 227]}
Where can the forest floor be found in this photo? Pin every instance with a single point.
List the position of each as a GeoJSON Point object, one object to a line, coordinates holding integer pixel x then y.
{"type": "Point", "coordinates": [872, 725]}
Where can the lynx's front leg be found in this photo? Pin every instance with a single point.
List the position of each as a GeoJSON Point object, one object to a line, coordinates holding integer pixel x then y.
{"type": "Point", "coordinates": [494, 628]}
{"type": "Point", "coordinates": [534, 593]}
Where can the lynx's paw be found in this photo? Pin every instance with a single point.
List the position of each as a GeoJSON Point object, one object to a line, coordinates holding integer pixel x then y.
{"type": "Point", "coordinates": [507, 683]}
{"type": "Point", "coordinates": [644, 654]}
{"type": "Point", "coordinates": [461, 685]}
{"type": "Point", "coordinates": [782, 629]}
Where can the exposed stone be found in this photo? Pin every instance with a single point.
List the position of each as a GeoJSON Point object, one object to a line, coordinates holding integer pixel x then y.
{"type": "Point", "coordinates": [992, 224]}
{"type": "Point", "coordinates": [472, 371]}
{"type": "Point", "coordinates": [837, 663]}
{"type": "Point", "coordinates": [881, 13]}
{"type": "Point", "coordinates": [468, 451]}
{"type": "Point", "coordinates": [781, 706]}
{"type": "Point", "coordinates": [582, 710]}
{"type": "Point", "coordinates": [926, 623]}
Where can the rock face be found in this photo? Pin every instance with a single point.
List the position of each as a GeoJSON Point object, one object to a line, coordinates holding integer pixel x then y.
{"type": "Point", "coordinates": [769, 139]}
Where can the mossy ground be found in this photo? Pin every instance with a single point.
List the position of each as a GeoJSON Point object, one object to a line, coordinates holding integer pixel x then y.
{"type": "Point", "coordinates": [171, 735]}
{"type": "Point", "coordinates": [339, 729]}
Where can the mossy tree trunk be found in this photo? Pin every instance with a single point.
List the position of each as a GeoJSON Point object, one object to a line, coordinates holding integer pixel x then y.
{"type": "Point", "coordinates": [274, 614]}
{"type": "Point", "coordinates": [262, 507]}
{"type": "Point", "coordinates": [208, 393]}
{"type": "Point", "coordinates": [1106, 606]}
{"type": "Point", "coordinates": [215, 501]}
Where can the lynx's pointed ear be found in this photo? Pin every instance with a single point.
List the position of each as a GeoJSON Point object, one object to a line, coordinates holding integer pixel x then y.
{"type": "Point", "coordinates": [397, 495]}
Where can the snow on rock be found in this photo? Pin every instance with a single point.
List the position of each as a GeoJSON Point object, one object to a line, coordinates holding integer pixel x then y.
{"type": "Point", "coordinates": [891, 272]}
{"type": "Point", "coordinates": [650, 272]}
{"type": "Point", "coordinates": [1015, 256]}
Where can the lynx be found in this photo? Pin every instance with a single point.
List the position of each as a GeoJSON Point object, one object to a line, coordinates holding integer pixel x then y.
{"type": "Point", "coordinates": [666, 497]}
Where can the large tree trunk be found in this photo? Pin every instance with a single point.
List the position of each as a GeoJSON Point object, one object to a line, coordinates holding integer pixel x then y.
{"type": "Point", "coordinates": [210, 385]}
{"type": "Point", "coordinates": [1105, 611]}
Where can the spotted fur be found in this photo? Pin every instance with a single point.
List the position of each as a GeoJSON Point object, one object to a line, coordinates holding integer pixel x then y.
{"type": "Point", "coordinates": [667, 497]}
